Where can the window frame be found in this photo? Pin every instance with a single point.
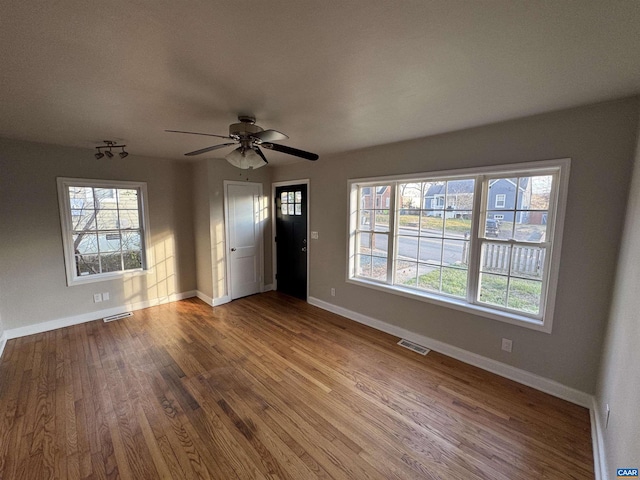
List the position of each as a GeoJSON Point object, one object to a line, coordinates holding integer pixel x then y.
{"type": "Point", "coordinates": [64, 206]}
{"type": "Point", "coordinates": [555, 223]}
{"type": "Point", "coordinates": [502, 202]}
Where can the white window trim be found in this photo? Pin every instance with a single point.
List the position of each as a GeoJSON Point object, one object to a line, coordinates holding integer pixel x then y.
{"type": "Point", "coordinates": [503, 202]}
{"type": "Point", "coordinates": [555, 218]}
{"type": "Point", "coordinates": [65, 222]}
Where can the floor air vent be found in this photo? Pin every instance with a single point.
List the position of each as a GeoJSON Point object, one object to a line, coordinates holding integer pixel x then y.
{"type": "Point", "coordinates": [413, 346]}
{"type": "Point", "coordinates": [117, 316]}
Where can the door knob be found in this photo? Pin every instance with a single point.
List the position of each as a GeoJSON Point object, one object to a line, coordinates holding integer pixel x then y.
{"type": "Point", "coordinates": [233, 249]}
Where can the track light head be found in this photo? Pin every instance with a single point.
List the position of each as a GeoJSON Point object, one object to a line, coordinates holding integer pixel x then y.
{"type": "Point", "coordinates": [99, 155]}
{"type": "Point", "coordinates": [108, 154]}
{"type": "Point", "coordinates": [123, 154]}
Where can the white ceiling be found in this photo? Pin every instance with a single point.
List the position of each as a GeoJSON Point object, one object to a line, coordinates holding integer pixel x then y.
{"type": "Point", "coordinates": [334, 75]}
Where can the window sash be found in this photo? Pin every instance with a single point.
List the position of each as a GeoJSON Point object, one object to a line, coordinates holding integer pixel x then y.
{"type": "Point", "coordinates": [558, 170]}
{"type": "Point", "coordinates": [118, 224]}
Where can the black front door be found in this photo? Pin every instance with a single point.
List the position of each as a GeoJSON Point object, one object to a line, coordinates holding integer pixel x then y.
{"type": "Point", "coordinates": [291, 240]}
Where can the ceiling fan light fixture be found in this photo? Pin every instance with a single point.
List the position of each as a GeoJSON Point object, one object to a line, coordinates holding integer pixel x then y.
{"type": "Point", "coordinates": [245, 159]}
{"type": "Point", "coordinates": [251, 138]}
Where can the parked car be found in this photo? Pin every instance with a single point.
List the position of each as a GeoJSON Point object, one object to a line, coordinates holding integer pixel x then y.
{"type": "Point", "coordinates": [492, 228]}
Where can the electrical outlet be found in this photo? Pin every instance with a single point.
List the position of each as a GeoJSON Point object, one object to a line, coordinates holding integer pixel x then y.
{"type": "Point", "coordinates": [333, 292]}
{"type": "Point", "coordinates": [507, 345]}
{"type": "Point", "coordinates": [105, 296]}
{"type": "Point", "coordinates": [97, 297]}
{"type": "Point", "coordinates": [314, 235]}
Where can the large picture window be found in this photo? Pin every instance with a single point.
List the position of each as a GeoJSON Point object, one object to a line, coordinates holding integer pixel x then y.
{"type": "Point", "coordinates": [104, 228]}
{"type": "Point", "coordinates": [484, 240]}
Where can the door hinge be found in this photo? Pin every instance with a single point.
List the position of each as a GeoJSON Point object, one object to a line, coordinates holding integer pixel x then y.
{"type": "Point", "coordinates": [276, 276]}
{"type": "Point", "coordinates": [275, 239]}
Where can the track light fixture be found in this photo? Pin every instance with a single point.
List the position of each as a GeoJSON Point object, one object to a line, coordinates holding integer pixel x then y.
{"type": "Point", "coordinates": [107, 150]}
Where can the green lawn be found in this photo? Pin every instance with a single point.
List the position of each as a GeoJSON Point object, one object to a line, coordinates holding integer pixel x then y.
{"type": "Point", "coordinates": [454, 281]}
{"type": "Point", "coordinates": [524, 295]}
{"type": "Point", "coordinates": [460, 225]}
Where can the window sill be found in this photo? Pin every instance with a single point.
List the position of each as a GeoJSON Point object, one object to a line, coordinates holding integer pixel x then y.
{"type": "Point", "coordinates": [105, 277]}
{"type": "Point", "coordinates": [487, 312]}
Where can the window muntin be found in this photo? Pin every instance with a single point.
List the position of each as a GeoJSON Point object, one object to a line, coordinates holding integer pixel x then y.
{"type": "Point", "coordinates": [444, 240]}
{"type": "Point", "coordinates": [291, 203]}
{"type": "Point", "coordinates": [103, 227]}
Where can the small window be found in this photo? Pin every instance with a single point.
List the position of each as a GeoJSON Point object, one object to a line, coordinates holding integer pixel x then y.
{"type": "Point", "coordinates": [104, 225]}
{"type": "Point", "coordinates": [291, 203]}
{"type": "Point", "coordinates": [501, 200]}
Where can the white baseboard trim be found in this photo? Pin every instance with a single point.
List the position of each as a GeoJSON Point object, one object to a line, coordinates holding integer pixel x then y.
{"type": "Point", "coordinates": [597, 441]}
{"type": "Point", "coordinates": [221, 300]}
{"type": "Point", "coordinates": [87, 317]}
{"type": "Point", "coordinates": [205, 298]}
{"type": "Point", "coordinates": [516, 374]}
{"type": "Point", "coordinates": [3, 342]}
{"type": "Point", "coordinates": [268, 287]}
{"type": "Point", "coordinates": [214, 302]}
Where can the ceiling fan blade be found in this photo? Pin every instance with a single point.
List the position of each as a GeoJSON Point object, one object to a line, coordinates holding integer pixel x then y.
{"type": "Point", "coordinates": [259, 152]}
{"type": "Point", "coordinates": [291, 151]}
{"type": "Point", "coordinates": [270, 136]}
{"type": "Point", "coordinates": [196, 133]}
{"type": "Point", "coordinates": [208, 149]}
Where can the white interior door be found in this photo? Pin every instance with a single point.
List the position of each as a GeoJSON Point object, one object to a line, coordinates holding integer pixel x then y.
{"type": "Point", "coordinates": [244, 234]}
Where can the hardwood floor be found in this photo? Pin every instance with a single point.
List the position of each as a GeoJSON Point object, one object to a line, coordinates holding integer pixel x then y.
{"type": "Point", "coordinates": [268, 387]}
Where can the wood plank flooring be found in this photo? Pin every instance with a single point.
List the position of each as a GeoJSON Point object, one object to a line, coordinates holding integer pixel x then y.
{"type": "Point", "coordinates": [268, 387]}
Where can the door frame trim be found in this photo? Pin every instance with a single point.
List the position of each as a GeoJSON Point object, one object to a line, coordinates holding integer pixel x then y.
{"type": "Point", "coordinates": [227, 262]}
{"type": "Point", "coordinates": [274, 252]}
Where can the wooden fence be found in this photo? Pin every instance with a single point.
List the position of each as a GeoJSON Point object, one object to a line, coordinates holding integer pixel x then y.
{"type": "Point", "coordinates": [525, 260]}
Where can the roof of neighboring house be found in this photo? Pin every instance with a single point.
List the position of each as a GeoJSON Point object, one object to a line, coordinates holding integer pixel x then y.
{"type": "Point", "coordinates": [524, 182]}
{"type": "Point", "coordinates": [455, 186]}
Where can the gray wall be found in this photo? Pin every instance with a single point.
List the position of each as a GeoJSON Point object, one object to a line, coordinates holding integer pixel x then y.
{"type": "Point", "coordinates": [201, 226]}
{"type": "Point", "coordinates": [210, 248]}
{"type": "Point", "coordinates": [619, 381]}
{"type": "Point", "coordinates": [600, 139]}
{"type": "Point", "coordinates": [32, 277]}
